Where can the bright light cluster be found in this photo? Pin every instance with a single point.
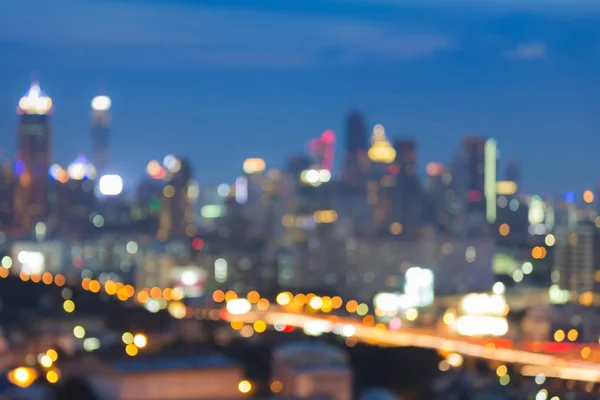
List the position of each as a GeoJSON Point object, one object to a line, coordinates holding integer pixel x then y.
{"type": "Point", "coordinates": [81, 169]}
{"type": "Point", "coordinates": [381, 150]}
{"type": "Point", "coordinates": [35, 101]}
{"type": "Point", "coordinates": [315, 177]}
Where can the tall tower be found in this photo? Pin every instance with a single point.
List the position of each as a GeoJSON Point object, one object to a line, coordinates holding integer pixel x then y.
{"type": "Point", "coordinates": [100, 131]}
{"type": "Point", "coordinates": [356, 149]}
{"type": "Point", "coordinates": [33, 160]}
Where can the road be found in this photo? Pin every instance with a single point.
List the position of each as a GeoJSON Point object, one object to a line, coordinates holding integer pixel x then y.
{"type": "Point", "coordinates": [533, 363]}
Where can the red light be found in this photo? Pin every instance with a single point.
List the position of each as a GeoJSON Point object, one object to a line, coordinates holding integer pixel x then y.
{"type": "Point", "coordinates": [78, 262]}
{"type": "Point", "coordinates": [328, 137]}
{"type": "Point", "coordinates": [393, 170]}
{"type": "Point", "coordinates": [288, 328]}
{"type": "Point", "coordinates": [197, 244]}
{"type": "Point", "coordinates": [474, 195]}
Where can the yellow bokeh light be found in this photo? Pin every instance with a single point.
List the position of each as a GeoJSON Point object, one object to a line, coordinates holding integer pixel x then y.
{"type": "Point", "coordinates": [315, 303]}
{"type": "Point", "coordinates": [299, 299]}
{"type": "Point", "coordinates": [155, 292]}
{"type": "Point", "coordinates": [501, 370]}
{"type": "Point", "coordinates": [46, 361]}
{"type": "Point", "coordinates": [448, 318]}
{"type": "Point", "coordinates": [53, 354]}
{"type": "Point", "coordinates": [263, 305]}
{"type": "Point", "coordinates": [284, 298]}
{"type": "Point", "coordinates": [336, 302]}
{"type": "Point", "coordinates": [588, 196]}
{"type": "Point", "coordinates": [218, 296]}
{"type": "Point", "coordinates": [140, 340]}
{"type": "Point", "coordinates": [127, 338]}
{"type": "Point", "coordinates": [237, 324]}
{"type": "Point", "coordinates": [504, 229]}
{"type": "Point", "coordinates": [412, 314]}
{"type": "Point", "coordinates": [131, 350]}
{"type": "Point", "coordinates": [110, 287]}
{"type": "Point", "coordinates": [177, 294]}
{"type": "Point", "coordinates": [244, 387]}
{"type": "Point", "coordinates": [230, 295]}
{"type": "Point", "coordinates": [47, 278]}
{"type": "Point", "coordinates": [253, 296]}
{"type": "Point", "coordinates": [22, 377]}
{"type": "Point", "coordinates": [260, 326]}
{"type": "Point", "coordinates": [52, 376]}
{"type": "Point", "coordinates": [143, 297]}
{"type": "Point", "coordinates": [559, 335]}
{"type": "Point", "coordinates": [94, 286]}
{"type": "Point", "coordinates": [69, 306]}
{"type": "Point", "coordinates": [572, 335]}
{"type": "Point", "coordinates": [79, 332]}
{"type": "Point", "coordinates": [586, 352]}
{"type": "Point", "coordinates": [276, 386]}
{"type": "Point", "coordinates": [396, 228]}
{"type": "Point", "coordinates": [351, 306]}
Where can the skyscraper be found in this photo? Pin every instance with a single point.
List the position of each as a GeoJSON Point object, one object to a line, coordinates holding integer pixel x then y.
{"type": "Point", "coordinates": [355, 161]}
{"type": "Point", "coordinates": [100, 131]}
{"type": "Point", "coordinates": [33, 159]}
{"type": "Point", "coordinates": [406, 156]}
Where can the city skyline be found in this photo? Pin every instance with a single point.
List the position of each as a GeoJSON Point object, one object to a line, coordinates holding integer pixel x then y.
{"type": "Point", "coordinates": [496, 71]}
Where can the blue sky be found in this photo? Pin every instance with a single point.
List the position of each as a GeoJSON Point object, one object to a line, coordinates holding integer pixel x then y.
{"type": "Point", "coordinates": [221, 81]}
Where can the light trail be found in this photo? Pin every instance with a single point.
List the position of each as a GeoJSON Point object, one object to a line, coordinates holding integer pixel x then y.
{"type": "Point", "coordinates": [555, 366]}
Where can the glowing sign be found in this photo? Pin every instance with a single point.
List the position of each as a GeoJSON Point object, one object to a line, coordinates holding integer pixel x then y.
{"type": "Point", "coordinates": [381, 150]}
{"type": "Point", "coordinates": [483, 304]}
{"type": "Point", "coordinates": [418, 286]}
{"type": "Point", "coordinates": [470, 325]}
{"type": "Point", "coordinates": [238, 306]}
{"type": "Point", "coordinates": [241, 190]}
{"type": "Point", "coordinates": [110, 185]}
{"type": "Point", "coordinates": [506, 188]}
{"type": "Point", "coordinates": [101, 103]}
{"type": "Point", "coordinates": [491, 159]}
{"type": "Point", "coordinates": [254, 165]}
{"type": "Point", "coordinates": [35, 101]}
{"type": "Point", "coordinates": [210, 211]}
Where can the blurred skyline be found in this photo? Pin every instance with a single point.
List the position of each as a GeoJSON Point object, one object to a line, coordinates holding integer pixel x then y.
{"type": "Point", "coordinates": [222, 81]}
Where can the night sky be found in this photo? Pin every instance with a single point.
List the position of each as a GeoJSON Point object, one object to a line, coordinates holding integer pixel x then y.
{"type": "Point", "coordinates": [220, 81]}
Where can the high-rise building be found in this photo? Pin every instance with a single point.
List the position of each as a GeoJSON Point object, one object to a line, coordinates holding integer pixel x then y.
{"type": "Point", "coordinates": [176, 218]}
{"type": "Point", "coordinates": [7, 192]}
{"type": "Point", "coordinates": [480, 162]}
{"type": "Point", "coordinates": [356, 161]}
{"type": "Point", "coordinates": [406, 156]}
{"type": "Point", "coordinates": [100, 131]}
{"type": "Point", "coordinates": [576, 258]}
{"type": "Point", "coordinates": [33, 160]}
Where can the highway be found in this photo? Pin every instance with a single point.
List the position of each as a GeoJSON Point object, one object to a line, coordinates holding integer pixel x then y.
{"type": "Point", "coordinates": [532, 363]}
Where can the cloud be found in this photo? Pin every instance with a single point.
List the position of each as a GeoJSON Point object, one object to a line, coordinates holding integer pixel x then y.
{"type": "Point", "coordinates": [152, 34]}
{"type": "Point", "coordinates": [527, 51]}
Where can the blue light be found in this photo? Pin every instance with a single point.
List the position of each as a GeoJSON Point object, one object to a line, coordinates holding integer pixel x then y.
{"type": "Point", "coordinates": [569, 197]}
{"type": "Point", "coordinates": [19, 167]}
